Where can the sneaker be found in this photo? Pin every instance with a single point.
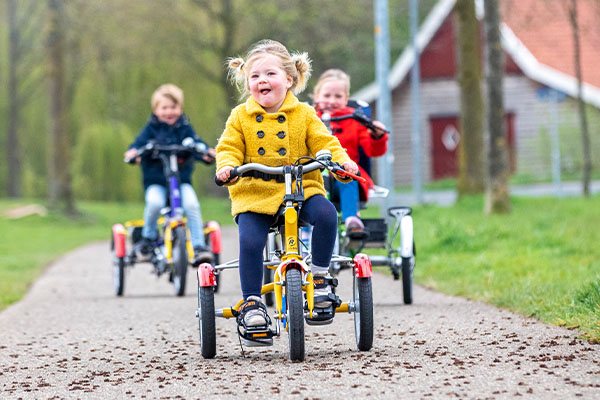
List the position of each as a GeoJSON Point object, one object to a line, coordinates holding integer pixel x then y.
{"type": "Point", "coordinates": [323, 294]}
{"type": "Point", "coordinates": [253, 313]}
{"type": "Point", "coordinates": [144, 248]}
{"type": "Point", "coordinates": [202, 255]}
{"type": "Point", "coordinates": [355, 229]}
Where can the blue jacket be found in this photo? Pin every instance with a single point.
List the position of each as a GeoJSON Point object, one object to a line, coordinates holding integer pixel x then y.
{"type": "Point", "coordinates": [164, 134]}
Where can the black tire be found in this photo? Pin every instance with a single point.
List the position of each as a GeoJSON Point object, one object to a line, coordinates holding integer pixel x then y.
{"type": "Point", "coordinates": [363, 314]}
{"type": "Point", "coordinates": [407, 279]}
{"type": "Point", "coordinates": [118, 269]}
{"type": "Point", "coordinates": [119, 276]}
{"type": "Point", "coordinates": [206, 322]}
{"type": "Point", "coordinates": [180, 260]}
{"type": "Point", "coordinates": [217, 258]}
{"type": "Point", "coordinates": [268, 278]}
{"type": "Point", "coordinates": [295, 314]}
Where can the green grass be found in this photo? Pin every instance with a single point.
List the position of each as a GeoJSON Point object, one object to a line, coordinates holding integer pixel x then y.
{"type": "Point", "coordinates": [29, 244]}
{"type": "Point", "coordinates": [542, 260]}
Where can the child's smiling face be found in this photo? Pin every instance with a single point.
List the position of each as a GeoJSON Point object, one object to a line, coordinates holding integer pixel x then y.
{"type": "Point", "coordinates": [332, 95]}
{"type": "Point", "coordinates": [167, 110]}
{"type": "Point", "coordinates": [268, 82]}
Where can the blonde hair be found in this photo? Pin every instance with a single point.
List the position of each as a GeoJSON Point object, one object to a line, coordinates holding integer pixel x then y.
{"type": "Point", "coordinates": [295, 65]}
{"type": "Point", "coordinates": [167, 91]}
{"type": "Point", "coordinates": [332, 75]}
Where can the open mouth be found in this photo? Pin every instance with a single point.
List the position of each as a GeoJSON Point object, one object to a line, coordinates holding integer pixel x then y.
{"type": "Point", "coordinates": [265, 91]}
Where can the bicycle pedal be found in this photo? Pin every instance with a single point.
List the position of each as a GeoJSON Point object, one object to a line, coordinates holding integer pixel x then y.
{"type": "Point", "coordinates": [321, 316]}
{"type": "Point", "coordinates": [257, 337]}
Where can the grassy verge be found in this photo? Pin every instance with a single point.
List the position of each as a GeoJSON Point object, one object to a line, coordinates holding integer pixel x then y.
{"type": "Point", "coordinates": [30, 243]}
{"type": "Point", "coordinates": [542, 260]}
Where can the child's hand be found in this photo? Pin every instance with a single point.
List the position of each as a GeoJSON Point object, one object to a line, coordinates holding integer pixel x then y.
{"type": "Point", "coordinates": [130, 154]}
{"type": "Point", "coordinates": [379, 131]}
{"type": "Point", "coordinates": [224, 173]}
{"type": "Point", "coordinates": [351, 167]}
{"type": "Point", "coordinates": [209, 156]}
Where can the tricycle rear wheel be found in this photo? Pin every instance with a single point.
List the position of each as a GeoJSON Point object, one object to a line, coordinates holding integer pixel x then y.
{"type": "Point", "coordinates": [363, 313]}
{"type": "Point", "coordinates": [206, 321]}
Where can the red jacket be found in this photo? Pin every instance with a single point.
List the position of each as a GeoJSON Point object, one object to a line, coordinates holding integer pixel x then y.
{"type": "Point", "coordinates": [352, 135]}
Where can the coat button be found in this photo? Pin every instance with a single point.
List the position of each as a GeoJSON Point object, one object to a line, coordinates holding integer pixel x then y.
{"type": "Point", "coordinates": [260, 134]}
{"type": "Point", "coordinates": [282, 151]}
{"type": "Point", "coordinates": [281, 134]}
{"type": "Point", "coordinates": [259, 118]}
{"type": "Point", "coordinates": [261, 151]}
{"type": "Point", "coordinates": [281, 119]}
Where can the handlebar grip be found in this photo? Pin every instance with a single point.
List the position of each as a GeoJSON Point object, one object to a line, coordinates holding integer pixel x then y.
{"type": "Point", "coordinates": [345, 174]}
{"type": "Point", "coordinates": [232, 175]}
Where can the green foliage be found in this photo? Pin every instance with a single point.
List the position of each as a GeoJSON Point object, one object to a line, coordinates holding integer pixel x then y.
{"type": "Point", "coordinates": [98, 168]}
{"type": "Point", "coordinates": [541, 260]}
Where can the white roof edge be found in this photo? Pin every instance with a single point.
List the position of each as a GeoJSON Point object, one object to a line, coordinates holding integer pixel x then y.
{"type": "Point", "coordinates": [530, 66]}
{"type": "Point", "coordinates": [404, 63]}
{"type": "Point", "coordinates": [544, 74]}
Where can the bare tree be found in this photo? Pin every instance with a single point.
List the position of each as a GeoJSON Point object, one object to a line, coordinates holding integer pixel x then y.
{"type": "Point", "coordinates": [497, 191]}
{"type": "Point", "coordinates": [22, 83]}
{"type": "Point", "coordinates": [13, 146]}
{"type": "Point", "coordinates": [585, 136]}
{"type": "Point", "coordinates": [59, 175]}
{"type": "Point", "coordinates": [471, 178]}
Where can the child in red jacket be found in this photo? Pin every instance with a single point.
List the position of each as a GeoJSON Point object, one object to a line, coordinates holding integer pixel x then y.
{"type": "Point", "coordinates": [330, 96]}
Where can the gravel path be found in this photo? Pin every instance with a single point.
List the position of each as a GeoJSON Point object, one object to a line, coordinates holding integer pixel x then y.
{"type": "Point", "coordinates": [72, 338]}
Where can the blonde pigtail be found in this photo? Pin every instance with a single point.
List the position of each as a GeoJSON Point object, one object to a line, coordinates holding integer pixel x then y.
{"type": "Point", "coordinates": [236, 74]}
{"type": "Point", "coordinates": [303, 65]}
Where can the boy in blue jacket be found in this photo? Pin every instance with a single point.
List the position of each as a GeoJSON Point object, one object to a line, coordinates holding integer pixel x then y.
{"type": "Point", "coordinates": [168, 125]}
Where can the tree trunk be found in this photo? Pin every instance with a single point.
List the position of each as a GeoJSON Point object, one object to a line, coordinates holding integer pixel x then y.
{"type": "Point", "coordinates": [59, 174]}
{"type": "Point", "coordinates": [585, 136]}
{"type": "Point", "coordinates": [13, 145]}
{"type": "Point", "coordinates": [497, 199]}
{"type": "Point", "coordinates": [471, 178]}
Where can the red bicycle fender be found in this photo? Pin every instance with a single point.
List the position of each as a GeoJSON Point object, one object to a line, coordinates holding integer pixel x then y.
{"type": "Point", "coordinates": [206, 275]}
{"type": "Point", "coordinates": [293, 263]}
{"type": "Point", "coordinates": [119, 239]}
{"type": "Point", "coordinates": [362, 266]}
{"type": "Point", "coordinates": [215, 237]}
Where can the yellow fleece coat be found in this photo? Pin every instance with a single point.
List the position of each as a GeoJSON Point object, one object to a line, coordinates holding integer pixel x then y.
{"type": "Point", "coordinates": [252, 135]}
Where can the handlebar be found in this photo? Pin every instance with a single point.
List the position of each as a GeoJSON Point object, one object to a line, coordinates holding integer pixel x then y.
{"type": "Point", "coordinates": [321, 162]}
{"type": "Point", "coordinates": [188, 146]}
{"type": "Point", "coordinates": [357, 116]}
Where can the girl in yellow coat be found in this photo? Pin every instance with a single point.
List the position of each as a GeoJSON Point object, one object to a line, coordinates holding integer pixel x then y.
{"type": "Point", "coordinates": [273, 128]}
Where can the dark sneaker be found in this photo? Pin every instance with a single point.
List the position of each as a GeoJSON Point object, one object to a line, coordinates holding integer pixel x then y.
{"type": "Point", "coordinates": [202, 255]}
{"type": "Point", "coordinates": [253, 323]}
{"type": "Point", "coordinates": [323, 294]}
{"type": "Point", "coordinates": [355, 229]}
{"type": "Point", "coordinates": [144, 248]}
{"type": "Point", "coordinates": [325, 301]}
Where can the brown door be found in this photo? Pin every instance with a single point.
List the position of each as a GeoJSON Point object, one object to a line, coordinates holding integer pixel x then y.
{"type": "Point", "coordinates": [445, 137]}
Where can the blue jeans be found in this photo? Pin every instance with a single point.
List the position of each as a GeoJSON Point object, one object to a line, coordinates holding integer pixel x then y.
{"type": "Point", "coordinates": [254, 230]}
{"type": "Point", "coordinates": [348, 195]}
{"type": "Point", "coordinates": [156, 198]}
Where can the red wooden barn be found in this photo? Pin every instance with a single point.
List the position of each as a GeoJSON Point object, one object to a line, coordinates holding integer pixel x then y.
{"type": "Point", "coordinates": [538, 44]}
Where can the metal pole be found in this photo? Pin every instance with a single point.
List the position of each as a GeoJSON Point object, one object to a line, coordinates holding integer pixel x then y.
{"type": "Point", "coordinates": [415, 102]}
{"type": "Point", "coordinates": [384, 100]}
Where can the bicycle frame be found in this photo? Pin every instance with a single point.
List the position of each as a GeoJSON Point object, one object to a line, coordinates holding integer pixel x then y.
{"type": "Point", "coordinates": [291, 257]}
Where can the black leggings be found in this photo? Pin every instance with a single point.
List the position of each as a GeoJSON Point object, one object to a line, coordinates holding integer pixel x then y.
{"type": "Point", "coordinates": [254, 229]}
